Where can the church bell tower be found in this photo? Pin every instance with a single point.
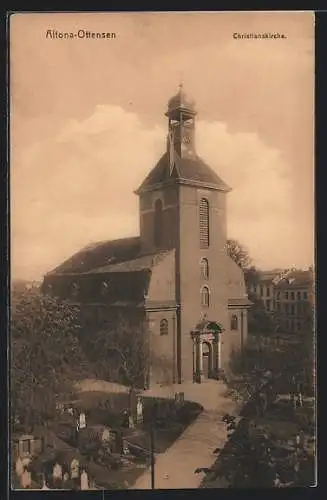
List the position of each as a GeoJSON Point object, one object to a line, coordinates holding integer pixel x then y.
{"type": "Point", "coordinates": [183, 208]}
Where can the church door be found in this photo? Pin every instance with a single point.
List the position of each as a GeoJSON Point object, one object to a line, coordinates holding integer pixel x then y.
{"type": "Point", "coordinates": [206, 360]}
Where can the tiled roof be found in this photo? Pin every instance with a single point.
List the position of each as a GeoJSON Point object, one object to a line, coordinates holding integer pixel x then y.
{"type": "Point", "coordinates": [100, 254]}
{"type": "Point", "coordinates": [296, 279]}
{"type": "Point", "coordinates": [194, 171]}
{"type": "Point", "coordinates": [269, 275]}
{"type": "Point", "coordinates": [127, 282]}
{"type": "Point", "coordinates": [139, 264]}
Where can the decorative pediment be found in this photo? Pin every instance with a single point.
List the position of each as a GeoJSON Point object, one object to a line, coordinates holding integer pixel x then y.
{"type": "Point", "coordinates": [207, 328]}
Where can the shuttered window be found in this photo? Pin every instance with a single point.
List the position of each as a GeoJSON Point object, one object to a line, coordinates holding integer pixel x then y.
{"type": "Point", "coordinates": [204, 223]}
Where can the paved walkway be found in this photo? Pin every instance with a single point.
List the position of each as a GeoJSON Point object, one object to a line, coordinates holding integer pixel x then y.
{"type": "Point", "coordinates": [90, 384]}
{"type": "Point", "coordinates": [194, 448]}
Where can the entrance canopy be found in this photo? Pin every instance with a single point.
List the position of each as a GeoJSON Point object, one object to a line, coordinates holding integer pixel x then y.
{"type": "Point", "coordinates": [208, 327]}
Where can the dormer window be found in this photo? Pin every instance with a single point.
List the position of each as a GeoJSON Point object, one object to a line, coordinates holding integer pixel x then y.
{"type": "Point", "coordinates": [104, 287]}
{"type": "Point", "coordinates": [75, 289]}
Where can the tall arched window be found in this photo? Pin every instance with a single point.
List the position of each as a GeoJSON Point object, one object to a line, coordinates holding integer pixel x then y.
{"type": "Point", "coordinates": [204, 223]}
{"type": "Point", "coordinates": [158, 223]}
{"type": "Point", "coordinates": [205, 296]}
{"type": "Point", "coordinates": [204, 268]}
{"type": "Point", "coordinates": [164, 327]}
{"type": "Point", "coordinates": [234, 322]}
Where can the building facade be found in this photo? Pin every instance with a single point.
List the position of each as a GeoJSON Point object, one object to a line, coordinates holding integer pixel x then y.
{"type": "Point", "coordinates": [175, 279]}
{"type": "Point", "coordinates": [289, 297]}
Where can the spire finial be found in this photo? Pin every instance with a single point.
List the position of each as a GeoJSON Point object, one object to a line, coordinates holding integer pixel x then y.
{"type": "Point", "coordinates": [181, 81]}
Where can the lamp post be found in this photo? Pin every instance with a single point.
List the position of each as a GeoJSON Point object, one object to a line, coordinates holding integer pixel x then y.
{"type": "Point", "coordinates": [152, 455]}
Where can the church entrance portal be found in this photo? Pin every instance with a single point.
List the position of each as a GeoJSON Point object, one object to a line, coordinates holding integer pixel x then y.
{"type": "Point", "coordinates": [206, 350]}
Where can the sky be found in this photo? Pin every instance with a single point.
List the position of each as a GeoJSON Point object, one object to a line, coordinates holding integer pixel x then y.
{"type": "Point", "coordinates": [87, 124]}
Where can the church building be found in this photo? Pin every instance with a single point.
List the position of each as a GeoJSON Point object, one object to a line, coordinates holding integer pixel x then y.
{"type": "Point", "coordinates": [175, 278]}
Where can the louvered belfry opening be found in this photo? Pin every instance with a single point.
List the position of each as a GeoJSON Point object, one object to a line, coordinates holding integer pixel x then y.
{"type": "Point", "coordinates": [204, 223]}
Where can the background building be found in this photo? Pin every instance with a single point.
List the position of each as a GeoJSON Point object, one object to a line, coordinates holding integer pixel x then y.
{"type": "Point", "coordinates": [289, 297]}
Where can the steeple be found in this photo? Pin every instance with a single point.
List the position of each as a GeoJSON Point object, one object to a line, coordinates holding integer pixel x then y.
{"type": "Point", "coordinates": [180, 103]}
{"type": "Point", "coordinates": [180, 164]}
{"type": "Point", "coordinates": [181, 114]}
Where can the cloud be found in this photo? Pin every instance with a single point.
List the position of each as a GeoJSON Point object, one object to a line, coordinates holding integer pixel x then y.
{"type": "Point", "coordinates": [78, 187]}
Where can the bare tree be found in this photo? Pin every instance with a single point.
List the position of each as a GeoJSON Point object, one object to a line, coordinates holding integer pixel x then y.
{"type": "Point", "coordinates": [239, 254]}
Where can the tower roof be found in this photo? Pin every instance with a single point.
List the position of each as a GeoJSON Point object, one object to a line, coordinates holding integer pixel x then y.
{"type": "Point", "coordinates": [180, 102]}
{"type": "Point", "coordinates": [192, 171]}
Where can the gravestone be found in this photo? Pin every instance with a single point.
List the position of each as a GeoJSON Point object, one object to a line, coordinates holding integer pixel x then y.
{"type": "Point", "coordinates": [179, 398]}
{"type": "Point", "coordinates": [57, 472]}
{"type": "Point", "coordinates": [131, 424]}
{"type": "Point", "coordinates": [82, 421]}
{"type": "Point", "coordinates": [84, 480]}
{"type": "Point", "coordinates": [139, 411]}
{"type": "Point", "coordinates": [26, 479]}
{"type": "Point", "coordinates": [19, 467]}
{"type": "Point", "coordinates": [74, 468]}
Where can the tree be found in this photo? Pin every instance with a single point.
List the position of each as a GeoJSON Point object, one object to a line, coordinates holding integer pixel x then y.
{"type": "Point", "coordinates": [259, 320]}
{"type": "Point", "coordinates": [239, 254]}
{"type": "Point", "coordinates": [46, 358]}
{"type": "Point", "coordinates": [125, 353]}
{"type": "Point", "coordinates": [120, 353]}
{"type": "Point", "coordinates": [241, 257]}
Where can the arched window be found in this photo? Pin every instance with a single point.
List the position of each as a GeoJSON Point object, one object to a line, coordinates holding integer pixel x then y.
{"type": "Point", "coordinates": [164, 327]}
{"type": "Point", "coordinates": [204, 267]}
{"type": "Point", "coordinates": [234, 322]}
{"type": "Point", "coordinates": [205, 296]}
{"type": "Point", "coordinates": [204, 223]}
{"type": "Point", "coordinates": [158, 223]}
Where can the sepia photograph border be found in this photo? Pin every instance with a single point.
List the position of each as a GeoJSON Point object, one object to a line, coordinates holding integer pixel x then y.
{"type": "Point", "coordinates": [320, 167]}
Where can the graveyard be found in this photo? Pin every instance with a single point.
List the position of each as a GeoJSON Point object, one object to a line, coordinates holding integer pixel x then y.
{"type": "Point", "coordinates": [99, 441]}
